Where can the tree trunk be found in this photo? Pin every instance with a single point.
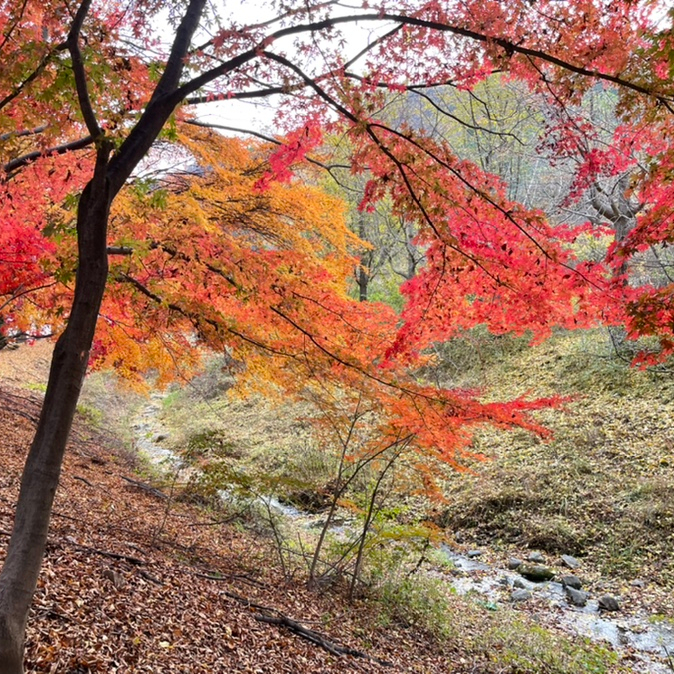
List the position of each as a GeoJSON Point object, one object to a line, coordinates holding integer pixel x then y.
{"type": "Point", "coordinates": [363, 279]}
{"type": "Point", "coordinates": [363, 274]}
{"type": "Point", "coordinates": [18, 578]}
{"type": "Point", "coordinates": [20, 571]}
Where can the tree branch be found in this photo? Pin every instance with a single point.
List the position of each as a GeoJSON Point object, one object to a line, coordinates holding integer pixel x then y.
{"type": "Point", "coordinates": [20, 134]}
{"type": "Point", "coordinates": [20, 162]}
{"type": "Point", "coordinates": [80, 74]}
{"type": "Point", "coordinates": [31, 78]}
{"type": "Point", "coordinates": [161, 104]}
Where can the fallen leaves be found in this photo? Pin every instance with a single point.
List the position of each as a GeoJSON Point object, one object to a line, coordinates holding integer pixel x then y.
{"type": "Point", "coordinates": [115, 597]}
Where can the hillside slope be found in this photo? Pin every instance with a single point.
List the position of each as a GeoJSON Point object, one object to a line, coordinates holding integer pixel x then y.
{"type": "Point", "coordinates": [135, 582]}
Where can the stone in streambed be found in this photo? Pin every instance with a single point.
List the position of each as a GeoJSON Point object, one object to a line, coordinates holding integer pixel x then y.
{"type": "Point", "coordinates": [571, 581]}
{"type": "Point", "coordinates": [514, 563]}
{"type": "Point", "coordinates": [536, 557]}
{"type": "Point", "coordinates": [608, 603]}
{"type": "Point", "coordinates": [570, 561]}
{"type": "Point", "coordinates": [576, 597]}
{"type": "Point", "coordinates": [520, 595]}
{"type": "Point", "coordinates": [472, 554]}
{"type": "Point", "coordinates": [536, 572]}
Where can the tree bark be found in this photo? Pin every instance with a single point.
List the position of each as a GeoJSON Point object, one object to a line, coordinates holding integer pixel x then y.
{"type": "Point", "coordinates": [363, 273]}
{"type": "Point", "coordinates": [20, 571]}
{"type": "Point", "coordinates": [19, 575]}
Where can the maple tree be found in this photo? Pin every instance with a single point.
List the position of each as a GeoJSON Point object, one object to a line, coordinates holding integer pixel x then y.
{"type": "Point", "coordinates": [87, 90]}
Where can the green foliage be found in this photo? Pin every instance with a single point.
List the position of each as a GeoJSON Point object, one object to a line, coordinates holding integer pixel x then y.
{"type": "Point", "coordinates": [489, 640]}
{"type": "Point", "coordinates": [91, 415]}
{"type": "Point", "coordinates": [147, 191]}
{"type": "Point", "coordinates": [209, 443]}
{"type": "Point", "coordinates": [386, 289]}
{"type": "Point", "coordinates": [416, 601]}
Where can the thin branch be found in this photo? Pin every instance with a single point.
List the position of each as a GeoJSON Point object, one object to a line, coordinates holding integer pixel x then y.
{"type": "Point", "coordinates": [119, 250]}
{"type": "Point", "coordinates": [318, 639]}
{"type": "Point", "coordinates": [20, 162]}
{"type": "Point", "coordinates": [14, 24]}
{"type": "Point", "coordinates": [21, 134]}
{"type": "Point", "coordinates": [224, 127]}
{"type": "Point", "coordinates": [42, 64]}
{"type": "Point", "coordinates": [268, 139]}
{"type": "Point", "coordinates": [241, 95]}
{"type": "Point", "coordinates": [80, 74]}
{"type": "Point", "coordinates": [463, 122]}
{"type": "Point", "coordinates": [508, 46]}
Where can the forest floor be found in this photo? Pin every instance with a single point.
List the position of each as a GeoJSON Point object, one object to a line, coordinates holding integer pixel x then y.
{"type": "Point", "coordinates": [135, 582]}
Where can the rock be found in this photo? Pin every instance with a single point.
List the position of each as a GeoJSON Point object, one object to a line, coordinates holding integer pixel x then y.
{"type": "Point", "coordinates": [571, 581]}
{"type": "Point", "coordinates": [637, 582]}
{"type": "Point", "coordinates": [504, 580]}
{"type": "Point", "coordinates": [160, 437]}
{"type": "Point", "coordinates": [115, 578]}
{"type": "Point", "coordinates": [536, 557]}
{"type": "Point", "coordinates": [520, 595]}
{"type": "Point", "coordinates": [570, 561]}
{"type": "Point", "coordinates": [472, 554]}
{"type": "Point", "coordinates": [608, 603]}
{"type": "Point", "coordinates": [519, 583]}
{"type": "Point", "coordinates": [576, 597]}
{"type": "Point", "coordinates": [514, 563]}
{"type": "Point", "coordinates": [536, 572]}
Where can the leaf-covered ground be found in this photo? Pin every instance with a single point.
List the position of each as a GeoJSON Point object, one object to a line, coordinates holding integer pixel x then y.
{"type": "Point", "coordinates": [133, 583]}
{"type": "Point", "coordinates": [122, 586]}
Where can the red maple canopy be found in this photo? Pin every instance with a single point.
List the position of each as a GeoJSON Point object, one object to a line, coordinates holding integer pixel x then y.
{"type": "Point", "coordinates": [245, 257]}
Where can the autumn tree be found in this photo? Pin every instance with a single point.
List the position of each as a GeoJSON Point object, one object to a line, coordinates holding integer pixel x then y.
{"type": "Point", "coordinates": [86, 89]}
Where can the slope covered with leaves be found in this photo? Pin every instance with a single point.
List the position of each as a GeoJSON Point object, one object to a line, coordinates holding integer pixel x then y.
{"type": "Point", "coordinates": [602, 488]}
{"type": "Point", "coordinates": [133, 582]}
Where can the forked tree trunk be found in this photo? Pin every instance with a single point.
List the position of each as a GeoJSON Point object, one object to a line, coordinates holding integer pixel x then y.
{"type": "Point", "coordinates": [20, 571]}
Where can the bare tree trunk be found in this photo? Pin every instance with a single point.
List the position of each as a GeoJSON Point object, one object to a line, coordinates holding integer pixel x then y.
{"type": "Point", "coordinates": [621, 212]}
{"type": "Point", "coordinates": [363, 273]}
{"type": "Point", "coordinates": [19, 575]}
{"type": "Point", "coordinates": [363, 279]}
{"type": "Point", "coordinates": [40, 479]}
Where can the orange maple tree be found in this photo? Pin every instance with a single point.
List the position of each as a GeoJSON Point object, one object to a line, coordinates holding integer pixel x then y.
{"type": "Point", "coordinates": [245, 258]}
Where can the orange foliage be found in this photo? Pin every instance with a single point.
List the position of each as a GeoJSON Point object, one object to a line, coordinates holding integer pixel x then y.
{"type": "Point", "coordinates": [264, 276]}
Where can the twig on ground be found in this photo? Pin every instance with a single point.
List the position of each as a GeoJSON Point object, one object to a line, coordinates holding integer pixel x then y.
{"type": "Point", "coordinates": [231, 576]}
{"type": "Point", "coordinates": [146, 487]}
{"type": "Point", "coordinates": [149, 577]}
{"type": "Point", "coordinates": [113, 555]}
{"type": "Point", "coordinates": [319, 639]}
{"type": "Point", "coordinates": [297, 628]}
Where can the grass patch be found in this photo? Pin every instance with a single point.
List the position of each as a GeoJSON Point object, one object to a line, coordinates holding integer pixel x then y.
{"type": "Point", "coordinates": [503, 641]}
{"type": "Point", "coordinates": [602, 488]}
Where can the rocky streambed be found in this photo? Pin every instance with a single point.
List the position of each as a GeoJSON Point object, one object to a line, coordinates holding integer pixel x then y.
{"type": "Point", "coordinates": [553, 589]}
{"type": "Point", "coordinates": [560, 595]}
